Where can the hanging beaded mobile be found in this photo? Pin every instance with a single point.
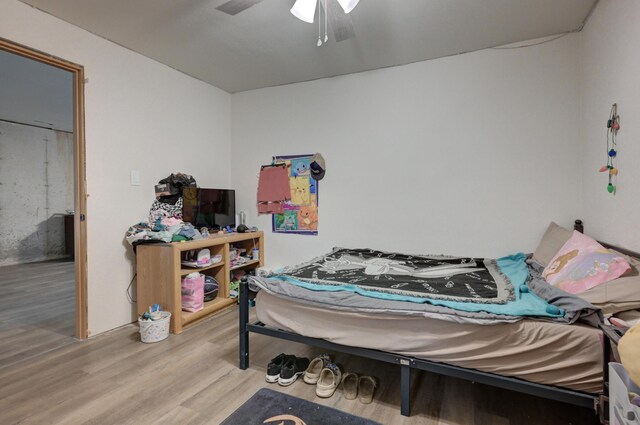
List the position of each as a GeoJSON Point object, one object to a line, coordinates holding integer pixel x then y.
{"type": "Point", "coordinates": [613, 125]}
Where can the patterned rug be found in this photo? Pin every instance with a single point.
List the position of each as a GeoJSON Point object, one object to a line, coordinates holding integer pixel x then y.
{"type": "Point", "coordinates": [274, 408]}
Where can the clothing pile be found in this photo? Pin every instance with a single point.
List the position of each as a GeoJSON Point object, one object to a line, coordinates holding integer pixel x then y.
{"type": "Point", "coordinates": [165, 215]}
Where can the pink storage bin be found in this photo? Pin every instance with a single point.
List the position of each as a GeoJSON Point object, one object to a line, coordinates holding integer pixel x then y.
{"type": "Point", "coordinates": [192, 288]}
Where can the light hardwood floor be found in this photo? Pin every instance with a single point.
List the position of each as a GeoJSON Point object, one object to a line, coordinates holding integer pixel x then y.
{"type": "Point", "coordinates": [37, 309]}
{"type": "Point", "coordinates": [192, 378]}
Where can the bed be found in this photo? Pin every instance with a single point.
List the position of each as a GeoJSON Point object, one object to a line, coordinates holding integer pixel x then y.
{"type": "Point", "coordinates": [538, 357]}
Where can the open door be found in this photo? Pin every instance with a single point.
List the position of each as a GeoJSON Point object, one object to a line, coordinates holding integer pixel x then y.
{"type": "Point", "coordinates": [78, 220]}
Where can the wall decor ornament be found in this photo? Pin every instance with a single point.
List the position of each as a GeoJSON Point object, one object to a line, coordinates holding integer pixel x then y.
{"type": "Point", "coordinates": [613, 125]}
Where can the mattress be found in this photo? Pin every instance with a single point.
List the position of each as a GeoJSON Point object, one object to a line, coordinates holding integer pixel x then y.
{"type": "Point", "coordinates": [568, 356]}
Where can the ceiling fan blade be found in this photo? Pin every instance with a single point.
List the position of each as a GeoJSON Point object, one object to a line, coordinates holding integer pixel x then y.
{"type": "Point", "coordinates": [233, 7]}
{"type": "Point", "coordinates": [340, 22]}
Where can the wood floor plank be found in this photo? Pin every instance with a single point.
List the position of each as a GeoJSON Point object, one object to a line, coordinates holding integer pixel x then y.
{"type": "Point", "coordinates": [18, 407]}
{"type": "Point", "coordinates": [60, 406]}
{"type": "Point", "coordinates": [193, 379]}
{"type": "Point", "coordinates": [38, 299]}
{"type": "Point", "coordinates": [178, 415]}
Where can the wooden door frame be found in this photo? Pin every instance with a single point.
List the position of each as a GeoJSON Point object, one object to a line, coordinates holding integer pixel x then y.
{"type": "Point", "coordinates": [80, 224]}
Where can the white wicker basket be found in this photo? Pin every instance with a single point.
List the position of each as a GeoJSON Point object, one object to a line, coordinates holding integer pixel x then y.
{"type": "Point", "coordinates": [155, 330]}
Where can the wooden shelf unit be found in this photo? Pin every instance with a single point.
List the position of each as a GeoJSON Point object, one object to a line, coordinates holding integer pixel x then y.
{"type": "Point", "coordinates": [160, 273]}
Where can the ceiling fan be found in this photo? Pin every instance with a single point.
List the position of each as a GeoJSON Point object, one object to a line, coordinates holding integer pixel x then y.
{"type": "Point", "coordinates": [339, 19]}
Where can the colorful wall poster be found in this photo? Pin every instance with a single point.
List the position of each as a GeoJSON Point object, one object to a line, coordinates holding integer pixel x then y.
{"type": "Point", "coordinates": [300, 215]}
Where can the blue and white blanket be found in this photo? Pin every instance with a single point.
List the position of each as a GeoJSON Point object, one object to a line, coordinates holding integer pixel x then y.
{"type": "Point", "coordinates": [357, 283]}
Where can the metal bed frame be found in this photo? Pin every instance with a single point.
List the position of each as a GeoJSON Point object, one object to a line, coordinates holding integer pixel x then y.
{"type": "Point", "coordinates": [599, 402]}
{"type": "Point", "coordinates": [407, 364]}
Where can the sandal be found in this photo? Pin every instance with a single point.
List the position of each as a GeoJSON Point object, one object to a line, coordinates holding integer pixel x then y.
{"type": "Point", "coordinates": [312, 373]}
{"type": "Point", "coordinates": [329, 379]}
{"type": "Point", "coordinates": [350, 386]}
{"type": "Point", "coordinates": [366, 388]}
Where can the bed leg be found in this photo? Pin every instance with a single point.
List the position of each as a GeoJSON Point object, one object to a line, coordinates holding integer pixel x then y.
{"type": "Point", "coordinates": [244, 319]}
{"type": "Point", "coordinates": [405, 388]}
{"type": "Point", "coordinates": [602, 408]}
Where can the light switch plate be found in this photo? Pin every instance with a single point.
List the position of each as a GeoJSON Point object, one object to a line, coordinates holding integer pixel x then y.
{"type": "Point", "coordinates": [135, 178]}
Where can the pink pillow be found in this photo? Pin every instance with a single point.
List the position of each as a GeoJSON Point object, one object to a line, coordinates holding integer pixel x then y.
{"type": "Point", "coordinates": [583, 263]}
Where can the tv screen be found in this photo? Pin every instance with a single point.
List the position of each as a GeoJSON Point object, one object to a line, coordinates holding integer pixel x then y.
{"type": "Point", "coordinates": [211, 208]}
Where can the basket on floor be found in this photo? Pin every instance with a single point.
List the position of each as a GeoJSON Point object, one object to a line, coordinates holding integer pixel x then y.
{"type": "Point", "coordinates": [155, 330]}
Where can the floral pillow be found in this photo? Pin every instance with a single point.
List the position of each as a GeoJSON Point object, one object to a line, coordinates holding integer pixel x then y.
{"type": "Point", "coordinates": [583, 263]}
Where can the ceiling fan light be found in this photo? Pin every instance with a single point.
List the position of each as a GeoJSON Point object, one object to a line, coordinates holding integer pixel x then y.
{"type": "Point", "coordinates": [305, 10]}
{"type": "Point", "coordinates": [348, 5]}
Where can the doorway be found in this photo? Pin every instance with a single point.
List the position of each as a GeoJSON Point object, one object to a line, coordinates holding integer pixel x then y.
{"type": "Point", "coordinates": [44, 262]}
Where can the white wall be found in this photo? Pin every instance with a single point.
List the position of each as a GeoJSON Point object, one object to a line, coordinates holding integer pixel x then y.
{"type": "Point", "coordinates": [36, 189]}
{"type": "Point", "coordinates": [471, 154]}
{"type": "Point", "coordinates": [611, 74]}
{"type": "Point", "coordinates": [140, 115]}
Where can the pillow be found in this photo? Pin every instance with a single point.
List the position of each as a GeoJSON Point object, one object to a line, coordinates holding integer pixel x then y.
{"type": "Point", "coordinates": [554, 237]}
{"type": "Point", "coordinates": [620, 294]}
{"type": "Point", "coordinates": [583, 263]}
{"type": "Point", "coordinates": [614, 308]}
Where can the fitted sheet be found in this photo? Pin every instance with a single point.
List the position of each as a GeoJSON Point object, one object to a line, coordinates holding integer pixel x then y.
{"type": "Point", "coordinates": [568, 356]}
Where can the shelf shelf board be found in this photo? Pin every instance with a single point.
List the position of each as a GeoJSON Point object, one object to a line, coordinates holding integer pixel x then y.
{"type": "Point", "coordinates": [243, 265]}
{"type": "Point", "coordinates": [185, 270]}
{"type": "Point", "coordinates": [209, 307]}
{"type": "Point", "coordinates": [216, 240]}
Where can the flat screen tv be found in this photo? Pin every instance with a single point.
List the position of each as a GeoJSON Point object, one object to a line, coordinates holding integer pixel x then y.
{"type": "Point", "coordinates": [211, 208]}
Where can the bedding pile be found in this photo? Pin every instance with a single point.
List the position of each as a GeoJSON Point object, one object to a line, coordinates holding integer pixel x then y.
{"type": "Point", "coordinates": [462, 290]}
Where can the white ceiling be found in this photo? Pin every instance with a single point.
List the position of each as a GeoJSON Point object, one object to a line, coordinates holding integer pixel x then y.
{"type": "Point", "coordinates": [34, 93]}
{"type": "Point", "coordinates": [266, 46]}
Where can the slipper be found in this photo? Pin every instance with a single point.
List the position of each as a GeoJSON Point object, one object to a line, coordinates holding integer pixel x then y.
{"type": "Point", "coordinates": [312, 374]}
{"type": "Point", "coordinates": [366, 388]}
{"type": "Point", "coordinates": [329, 379]}
{"type": "Point", "coordinates": [350, 386]}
